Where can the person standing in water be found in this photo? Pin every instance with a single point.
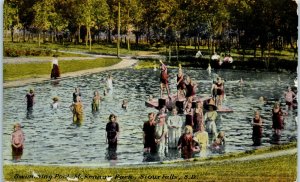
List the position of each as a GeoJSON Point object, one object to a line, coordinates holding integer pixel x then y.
{"type": "Point", "coordinates": [198, 116]}
{"type": "Point", "coordinates": [174, 123]}
{"type": "Point", "coordinates": [210, 119]}
{"type": "Point", "coordinates": [148, 135]}
{"type": "Point", "coordinates": [257, 129]}
{"type": "Point", "coordinates": [203, 140]}
{"type": "Point", "coordinates": [186, 144]}
{"type": "Point", "coordinates": [112, 131]}
{"type": "Point", "coordinates": [17, 142]}
{"type": "Point", "coordinates": [96, 101]}
{"type": "Point", "coordinates": [124, 104]}
{"type": "Point", "coordinates": [112, 135]}
{"type": "Point", "coordinates": [160, 134]}
{"type": "Point", "coordinates": [164, 84]}
{"type": "Point", "coordinates": [190, 89]}
{"type": "Point", "coordinates": [277, 118]}
{"type": "Point", "coordinates": [76, 93]}
{"type": "Point", "coordinates": [289, 96]}
{"type": "Point", "coordinates": [54, 105]}
{"type": "Point", "coordinates": [30, 102]}
{"type": "Point", "coordinates": [77, 109]}
{"type": "Point", "coordinates": [109, 84]}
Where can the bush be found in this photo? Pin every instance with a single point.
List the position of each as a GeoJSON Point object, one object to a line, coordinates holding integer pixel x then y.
{"type": "Point", "coordinates": [14, 52]}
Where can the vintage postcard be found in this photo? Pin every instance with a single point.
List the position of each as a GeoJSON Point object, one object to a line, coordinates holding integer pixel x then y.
{"type": "Point", "coordinates": [143, 90]}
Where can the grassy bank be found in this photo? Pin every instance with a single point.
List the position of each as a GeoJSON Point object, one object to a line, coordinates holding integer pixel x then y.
{"type": "Point", "coordinates": [34, 70]}
{"type": "Point", "coordinates": [271, 169]}
{"type": "Point", "coordinates": [19, 49]}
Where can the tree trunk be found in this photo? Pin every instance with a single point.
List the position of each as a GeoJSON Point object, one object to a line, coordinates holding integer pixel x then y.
{"type": "Point", "coordinates": [90, 38]}
{"type": "Point", "coordinates": [86, 37]}
{"type": "Point", "coordinates": [39, 39]}
{"type": "Point", "coordinates": [79, 34]}
{"type": "Point", "coordinates": [136, 39]}
{"type": "Point", "coordinates": [176, 49]}
{"type": "Point", "coordinates": [12, 34]}
{"type": "Point", "coordinates": [52, 37]}
{"type": "Point", "coordinates": [170, 53]}
{"type": "Point", "coordinates": [24, 35]}
{"type": "Point", "coordinates": [128, 43]}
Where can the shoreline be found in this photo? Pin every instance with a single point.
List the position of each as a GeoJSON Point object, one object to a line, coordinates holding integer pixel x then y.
{"type": "Point", "coordinates": [125, 63]}
{"type": "Point", "coordinates": [175, 163]}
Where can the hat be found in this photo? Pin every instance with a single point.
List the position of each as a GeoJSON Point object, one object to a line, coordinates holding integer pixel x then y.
{"type": "Point", "coordinates": [209, 103]}
{"type": "Point", "coordinates": [195, 139]}
{"type": "Point", "coordinates": [55, 98]}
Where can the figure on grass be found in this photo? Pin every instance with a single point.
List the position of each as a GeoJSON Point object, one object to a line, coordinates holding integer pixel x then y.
{"type": "Point", "coordinates": [55, 73]}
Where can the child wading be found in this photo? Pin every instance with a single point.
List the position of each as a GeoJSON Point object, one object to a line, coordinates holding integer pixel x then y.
{"type": "Point", "coordinates": [96, 101]}
{"type": "Point", "coordinates": [17, 142]}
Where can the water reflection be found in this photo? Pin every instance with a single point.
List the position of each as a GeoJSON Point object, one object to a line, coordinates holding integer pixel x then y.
{"type": "Point", "coordinates": [51, 139]}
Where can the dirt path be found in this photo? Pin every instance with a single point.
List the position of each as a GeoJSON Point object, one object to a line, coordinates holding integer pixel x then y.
{"type": "Point", "coordinates": [126, 62]}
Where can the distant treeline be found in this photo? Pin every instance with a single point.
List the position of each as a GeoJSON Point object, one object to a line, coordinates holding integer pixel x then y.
{"type": "Point", "coordinates": [262, 25]}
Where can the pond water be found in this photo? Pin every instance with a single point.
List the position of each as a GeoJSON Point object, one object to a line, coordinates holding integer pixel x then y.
{"type": "Point", "coordinates": [52, 139]}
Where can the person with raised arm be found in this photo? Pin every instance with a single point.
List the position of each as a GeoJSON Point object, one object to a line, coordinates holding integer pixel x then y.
{"type": "Point", "coordinates": [180, 82]}
{"type": "Point", "coordinates": [164, 84]}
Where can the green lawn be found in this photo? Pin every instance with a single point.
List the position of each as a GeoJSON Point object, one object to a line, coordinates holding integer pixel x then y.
{"type": "Point", "coordinates": [34, 70]}
{"type": "Point", "coordinates": [272, 169]}
{"type": "Point", "coordinates": [96, 48]}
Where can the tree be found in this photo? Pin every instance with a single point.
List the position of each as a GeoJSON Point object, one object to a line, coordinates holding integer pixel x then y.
{"type": "Point", "coordinates": [11, 19]}
{"type": "Point", "coordinates": [42, 11]}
